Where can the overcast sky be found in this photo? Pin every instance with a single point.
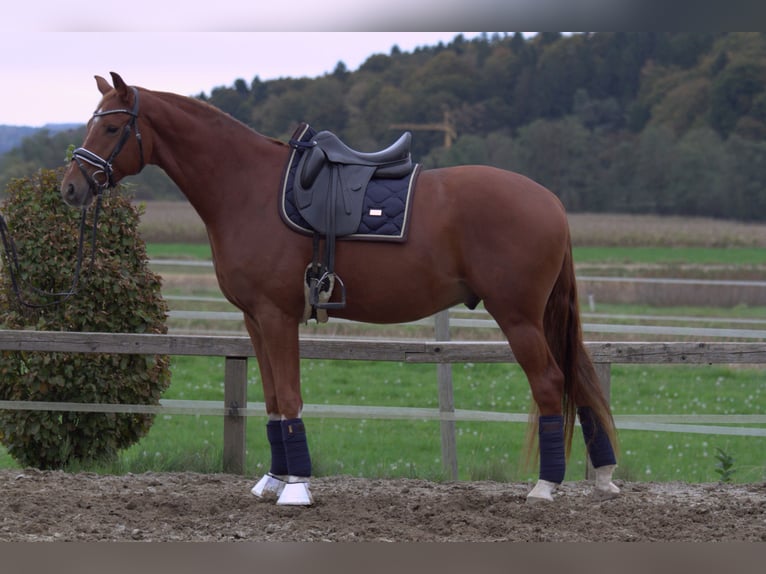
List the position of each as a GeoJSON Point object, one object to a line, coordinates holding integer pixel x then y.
{"type": "Point", "coordinates": [48, 77]}
{"type": "Point", "coordinates": [51, 49]}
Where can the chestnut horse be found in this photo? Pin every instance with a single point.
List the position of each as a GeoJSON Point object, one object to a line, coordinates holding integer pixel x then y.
{"type": "Point", "coordinates": [476, 233]}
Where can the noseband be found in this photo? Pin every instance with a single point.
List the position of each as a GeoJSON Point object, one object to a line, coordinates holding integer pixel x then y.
{"type": "Point", "coordinates": [104, 166]}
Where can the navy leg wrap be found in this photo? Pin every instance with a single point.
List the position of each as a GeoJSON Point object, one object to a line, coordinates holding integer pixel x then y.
{"type": "Point", "coordinates": [296, 447]}
{"type": "Point", "coordinates": [552, 452]}
{"type": "Point", "coordinates": [596, 440]}
{"type": "Point", "coordinates": [278, 457]}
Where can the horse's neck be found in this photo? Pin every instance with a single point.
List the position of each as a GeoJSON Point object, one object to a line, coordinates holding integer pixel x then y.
{"type": "Point", "coordinates": [216, 161]}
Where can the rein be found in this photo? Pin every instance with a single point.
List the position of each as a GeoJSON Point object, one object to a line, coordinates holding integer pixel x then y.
{"type": "Point", "coordinates": [15, 271]}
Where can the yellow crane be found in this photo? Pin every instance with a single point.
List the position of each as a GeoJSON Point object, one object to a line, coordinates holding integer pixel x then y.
{"type": "Point", "coordinates": [447, 126]}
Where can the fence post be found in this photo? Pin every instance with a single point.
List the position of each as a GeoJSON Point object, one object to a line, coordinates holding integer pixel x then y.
{"type": "Point", "coordinates": [446, 399]}
{"type": "Point", "coordinates": [604, 373]}
{"type": "Point", "coordinates": [234, 424]}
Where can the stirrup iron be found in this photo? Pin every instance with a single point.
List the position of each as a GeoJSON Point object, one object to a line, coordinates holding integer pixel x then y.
{"type": "Point", "coordinates": [316, 292]}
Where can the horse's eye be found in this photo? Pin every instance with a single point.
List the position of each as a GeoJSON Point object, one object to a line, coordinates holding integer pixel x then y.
{"type": "Point", "coordinates": [112, 129]}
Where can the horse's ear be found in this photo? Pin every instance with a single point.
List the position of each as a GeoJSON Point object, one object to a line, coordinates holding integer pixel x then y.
{"type": "Point", "coordinates": [120, 85]}
{"type": "Point", "coordinates": [103, 85]}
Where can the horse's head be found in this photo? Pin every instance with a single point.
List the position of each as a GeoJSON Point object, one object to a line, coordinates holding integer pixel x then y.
{"type": "Point", "coordinates": [113, 147]}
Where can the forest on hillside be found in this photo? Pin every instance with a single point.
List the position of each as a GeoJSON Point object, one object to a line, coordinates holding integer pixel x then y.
{"type": "Point", "coordinates": [629, 122]}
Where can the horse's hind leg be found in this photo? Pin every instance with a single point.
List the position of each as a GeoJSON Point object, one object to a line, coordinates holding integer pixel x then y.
{"type": "Point", "coordinates": [546, 382]}
{"type": "Point", "coordinates": [600, 452]}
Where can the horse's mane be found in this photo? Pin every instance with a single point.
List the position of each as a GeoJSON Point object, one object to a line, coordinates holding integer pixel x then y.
{"type": "Point", "coordinates": [193, 106]}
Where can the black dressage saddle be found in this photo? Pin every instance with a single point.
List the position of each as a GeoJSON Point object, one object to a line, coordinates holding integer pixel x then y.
{"type": "Point", "coordinates": [329, 189]}
{"type": "Point", "coordinates": [332, 177]}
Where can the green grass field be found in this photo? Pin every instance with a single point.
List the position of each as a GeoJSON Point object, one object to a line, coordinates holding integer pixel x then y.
{"type": "Point", "coordinates": [178, 251]}
{"type": "Point", "coordinates": [380, 448]}
{"type": "Point", "coordinates": [608, 255]}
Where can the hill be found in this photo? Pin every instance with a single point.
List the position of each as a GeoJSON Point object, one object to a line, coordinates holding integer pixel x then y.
{"type": "Point", "coordinates": [12, 136]}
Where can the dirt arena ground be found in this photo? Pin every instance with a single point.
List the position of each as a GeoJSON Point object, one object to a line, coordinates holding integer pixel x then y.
{"type": "Point", "coordinates": [56, 506]}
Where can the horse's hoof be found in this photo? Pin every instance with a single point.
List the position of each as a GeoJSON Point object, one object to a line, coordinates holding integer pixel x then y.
{"type": "Point", "coordinates": [605, 492]}
{"type": "Point", "coordinates": [542, 492]}
{"type": "Point", "coordinates": [270, 486]}
{"type": "Point", "coordinates": [296, 493]}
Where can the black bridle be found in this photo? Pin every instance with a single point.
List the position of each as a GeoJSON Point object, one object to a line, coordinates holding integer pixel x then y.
{"type": "Point", "coordinates": [81, 155]}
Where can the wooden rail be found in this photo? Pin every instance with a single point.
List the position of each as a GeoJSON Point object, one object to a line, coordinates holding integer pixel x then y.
{"type": "Point", "coordinates": [237, 351]}
{"type": "Point", "coordinates": [406, 350]}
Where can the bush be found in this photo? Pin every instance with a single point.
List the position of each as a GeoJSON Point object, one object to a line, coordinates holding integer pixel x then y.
{"type": "Point", "coordinates": [119, 295]}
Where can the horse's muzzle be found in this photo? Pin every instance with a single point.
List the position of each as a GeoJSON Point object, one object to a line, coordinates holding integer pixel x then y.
{"type": "Point", "coordinates": [75, 196]}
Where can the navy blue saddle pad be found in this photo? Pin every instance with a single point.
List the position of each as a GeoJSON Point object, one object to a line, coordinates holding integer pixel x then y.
{"type": "Point", "coordinates": [387, 202]}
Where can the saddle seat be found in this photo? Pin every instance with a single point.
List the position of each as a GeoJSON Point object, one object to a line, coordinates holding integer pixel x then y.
{"type": "Point", "coordinates": [338, 152]}
{"type": "Point", "coordinates": [390, 163]}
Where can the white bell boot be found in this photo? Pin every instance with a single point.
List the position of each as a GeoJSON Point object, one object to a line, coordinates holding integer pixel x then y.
{"type": "Point", "coordinates": [542, 492]}
{"type": "Point", "coordinates": [270, 486]}
{"type": "Point", "coordinates": [296, 492]}
{"type": "Point", "coordinates": [604, 489]}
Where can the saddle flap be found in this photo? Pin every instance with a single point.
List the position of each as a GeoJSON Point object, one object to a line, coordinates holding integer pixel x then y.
{"type": "Point", "coordinates": [332, 201]}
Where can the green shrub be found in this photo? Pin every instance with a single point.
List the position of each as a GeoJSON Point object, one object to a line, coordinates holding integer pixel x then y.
{"type": "Point", "coordinates": [119, 295]}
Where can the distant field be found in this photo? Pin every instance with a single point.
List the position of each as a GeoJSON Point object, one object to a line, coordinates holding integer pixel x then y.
{"type": "Point", "coordinates": [171, 222]}
{"type": "Point", "coordinates": [670, 255]}
{"type": "Point", "coordinates": [610, 230]}
{"type": "Point", "coordinates": [177, 222]}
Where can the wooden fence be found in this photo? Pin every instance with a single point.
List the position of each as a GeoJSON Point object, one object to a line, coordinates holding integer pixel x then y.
{"type": "Point", "coordinates": [237, 351]}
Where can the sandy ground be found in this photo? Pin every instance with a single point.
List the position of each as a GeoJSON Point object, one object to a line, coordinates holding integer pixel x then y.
{"type": "Point", "coordinates": [44, 506]}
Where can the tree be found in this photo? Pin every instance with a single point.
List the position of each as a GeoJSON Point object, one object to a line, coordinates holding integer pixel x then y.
{"type": "Point", "coordinates": [233, 101]}
{"type": "Point", "coordinates": [597, 115]}
{"type": "Point", "coordinates": [745, 174]}
{"type": "Point", "coordinates": [733, 93]}
{"type": "Point", "coordinates": [341, 71]}
{"type": "Point", "coordinates": [445, 78]}
{"type": "Point", "coordinates": [554, 153]}
{"type": "Point", "coordinates": [684, 106]}
{"type": "Point", "coordinates": [324, 104]}
{"type": "Point", "coordinates": [240, 86]}
{"type": "Point", "coordinates": [119, 294]}
{"type": "Point", "coordinates": [562, 69]}
{"type": "Point", "coordinates": [654, 156]}
{"type": "Point", "coordinates": [697, 185]}
{"type": "Point", "coordinates": [468, 149]}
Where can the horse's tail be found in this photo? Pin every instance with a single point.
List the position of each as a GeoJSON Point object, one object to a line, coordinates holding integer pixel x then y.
{"type": "Point", "coordinates": [563, 332]}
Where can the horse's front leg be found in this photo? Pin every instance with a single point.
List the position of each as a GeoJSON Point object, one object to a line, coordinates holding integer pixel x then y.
{"type": "Point", "coordinates": [276, 347]}
{"type": "Point", "coordinates": [273, 482]}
